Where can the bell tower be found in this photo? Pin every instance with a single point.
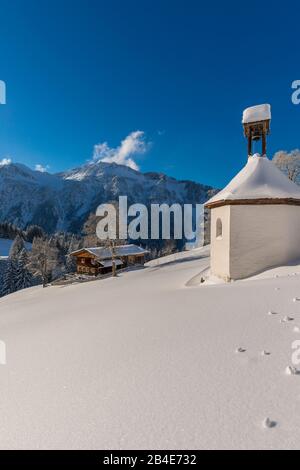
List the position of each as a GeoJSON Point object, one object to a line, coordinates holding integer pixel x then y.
{"type": "Point", "coordinates": [256, 123]}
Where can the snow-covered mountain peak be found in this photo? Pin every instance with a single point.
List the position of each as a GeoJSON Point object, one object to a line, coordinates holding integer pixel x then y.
{"type": "Point", "coordinates": [22, 173]}
{"type": "Point", "coordinates": [99, 169]}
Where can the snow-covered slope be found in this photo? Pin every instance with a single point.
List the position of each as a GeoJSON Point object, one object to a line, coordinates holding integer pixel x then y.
{"type": "Point", "coordinates": [141, 361]}
{"type": "Point", "coordinates": [64, 201]}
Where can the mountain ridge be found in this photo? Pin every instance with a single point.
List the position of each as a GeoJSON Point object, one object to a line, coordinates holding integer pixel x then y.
{"type": "Point", "coordinates": [63, 201]}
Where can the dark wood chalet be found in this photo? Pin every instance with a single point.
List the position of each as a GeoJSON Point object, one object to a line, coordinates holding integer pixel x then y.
{"type": "Point", "coordinates": [99, 260]}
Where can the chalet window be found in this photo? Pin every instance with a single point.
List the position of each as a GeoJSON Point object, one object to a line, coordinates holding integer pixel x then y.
{"type": "Point", "coordinates": [82, 261]}
{"type": "Point", "coordinates": [219, 229]}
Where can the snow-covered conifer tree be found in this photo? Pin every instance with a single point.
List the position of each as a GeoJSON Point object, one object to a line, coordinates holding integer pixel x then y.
{"type": "Point", "coordinates": [23, 277]}
{"type": "Point", "coordinates": [9, 278]}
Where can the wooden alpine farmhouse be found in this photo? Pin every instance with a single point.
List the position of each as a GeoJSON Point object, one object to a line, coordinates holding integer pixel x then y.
{"type": "Point", "coordinates": [99, 260]}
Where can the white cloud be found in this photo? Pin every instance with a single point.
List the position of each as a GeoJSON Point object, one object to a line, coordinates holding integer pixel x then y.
{"type": "Point", "coordinates": [41, 168]}
{"type": "Point", "coordinates": [5, 161]}
{"type": "Point", "coordinates": [133, 144]}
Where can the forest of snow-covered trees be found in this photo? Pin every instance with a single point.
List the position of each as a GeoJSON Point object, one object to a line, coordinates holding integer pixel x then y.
{"type": "Point", "coordinates": [46, 260]}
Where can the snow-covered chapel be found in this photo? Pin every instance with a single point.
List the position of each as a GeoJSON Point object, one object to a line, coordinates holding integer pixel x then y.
{"type": "Point", "coordinates": [255, 219]}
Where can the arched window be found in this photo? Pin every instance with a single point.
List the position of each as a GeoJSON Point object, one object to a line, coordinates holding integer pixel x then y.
{"type": "Point", "coordinates": [219, 228]}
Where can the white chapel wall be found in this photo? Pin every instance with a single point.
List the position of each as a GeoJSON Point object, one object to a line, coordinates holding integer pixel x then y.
{"type": "Point", "coordinates": [220, 246]}
{"type": "Point", "coordinates": [262, 236]}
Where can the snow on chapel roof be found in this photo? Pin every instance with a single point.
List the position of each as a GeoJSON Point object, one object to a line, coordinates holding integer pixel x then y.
{"type": "Point", "coordinates": [257, 113]}
{"type": "Point", "coordinates": [259, 179]}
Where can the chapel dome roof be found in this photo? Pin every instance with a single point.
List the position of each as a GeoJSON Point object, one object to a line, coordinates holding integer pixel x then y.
{"type": "Point", "coordinates": [261, 180]}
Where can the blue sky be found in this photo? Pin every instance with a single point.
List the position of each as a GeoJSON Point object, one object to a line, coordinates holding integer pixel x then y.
{"type": "Point", "coordinates": [80, 73]}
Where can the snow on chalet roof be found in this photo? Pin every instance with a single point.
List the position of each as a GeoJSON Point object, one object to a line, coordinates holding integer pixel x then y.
{"type": "Point", "coordinates": [257, 113]}
{"type": "Point", "coordinates": [108, 263]}
{"type": "Point", "coordinates": [259, 179]}
{"type": "Point", "coordinates": [120, 250]}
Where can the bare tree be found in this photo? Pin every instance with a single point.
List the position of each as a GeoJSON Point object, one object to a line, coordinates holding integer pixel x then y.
{"type": "Point", "coordinates": [112, 243]}
{"type": "Point", "coordinates": [89, 229]}
{"type": "Point", "coordinates": [43, 259]}
{"type": "Point", "coordinates": [112, 247]}
{"type": "Point", "coordinates": [16, 247]}
{"type": "Point", "coordinates": [288, 163]}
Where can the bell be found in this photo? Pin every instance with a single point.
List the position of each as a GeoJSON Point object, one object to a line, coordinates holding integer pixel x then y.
{"type": "Point", "coordinates": [256, 136]}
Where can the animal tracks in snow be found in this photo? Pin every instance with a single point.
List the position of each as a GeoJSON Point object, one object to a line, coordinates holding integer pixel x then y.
{"type": "Point", "coordinates": [286, 319]}
{"type": "Point", "coordinates": [269, 423]}
{"type": "Point", "coordinates": [264, 352]}
{"type": "Point", "coordinates": [291, 370]}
